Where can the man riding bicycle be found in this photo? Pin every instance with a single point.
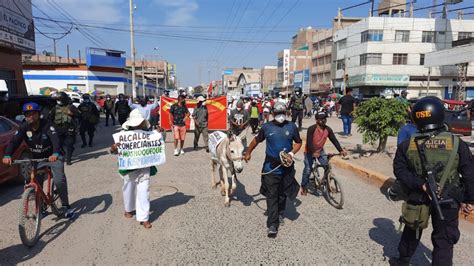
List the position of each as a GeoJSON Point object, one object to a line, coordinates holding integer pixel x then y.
{"type": "Point", "coordinates": [42, 139]}
{"type": "Point", "coordinates": [315, 140]}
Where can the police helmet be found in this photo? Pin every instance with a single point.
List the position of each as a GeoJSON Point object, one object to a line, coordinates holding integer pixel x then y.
{"type": "Point", "coordinates": [86, 96]}
{"type": "Point", "coordinates": [428, 114]}
{"type": "Point", "coordinates": [279, 108]}
{"type": "Point", "coordinates": [63, 97]}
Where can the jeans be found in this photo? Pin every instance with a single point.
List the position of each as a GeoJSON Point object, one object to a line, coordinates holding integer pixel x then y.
{"type": "Point", "coordinates": [276, 198]}
{"type": "Point", "coordinates": [347, 123]}
{"type": "Point", "coordinates": [59, 179]}
{"type": "Point", "coordinates": [308, 166]}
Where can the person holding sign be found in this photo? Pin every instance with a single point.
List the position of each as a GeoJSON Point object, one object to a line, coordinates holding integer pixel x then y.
{"type": "Point", "coordinates": [139, 151]}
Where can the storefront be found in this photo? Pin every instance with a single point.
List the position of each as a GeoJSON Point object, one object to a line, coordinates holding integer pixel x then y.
{"type": "Point", "coordinates": [370, 85]}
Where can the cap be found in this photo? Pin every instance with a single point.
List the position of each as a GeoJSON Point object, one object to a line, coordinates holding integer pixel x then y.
{"type": "Point", "coordinates": [279, 107]}
{"type": "Point", "coordinates": [31, 106]}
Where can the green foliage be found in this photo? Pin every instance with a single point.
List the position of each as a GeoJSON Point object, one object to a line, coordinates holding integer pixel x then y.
{"type": "Point", "coordinates": [379, 118]}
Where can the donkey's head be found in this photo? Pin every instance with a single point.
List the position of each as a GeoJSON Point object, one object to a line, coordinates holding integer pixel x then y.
{"type": "Point", "coordinates": [236, 150]}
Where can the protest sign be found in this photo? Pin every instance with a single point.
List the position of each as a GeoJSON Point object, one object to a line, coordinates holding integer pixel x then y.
{"type": "Point", "coordinates": [139, 149]}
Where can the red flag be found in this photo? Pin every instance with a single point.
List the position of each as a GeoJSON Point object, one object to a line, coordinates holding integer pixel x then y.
{"type": "Point", "coordinates": [209, 90]}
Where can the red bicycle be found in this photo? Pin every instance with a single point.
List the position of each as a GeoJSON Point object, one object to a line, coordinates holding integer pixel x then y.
{"type": "Point", "coordinates": [35, 201]}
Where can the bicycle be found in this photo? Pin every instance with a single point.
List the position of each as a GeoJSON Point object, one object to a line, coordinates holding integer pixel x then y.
{"type": "Point", "coordinates": [329, 185]}
{"type": "Point", "coordinates": [34, 201]}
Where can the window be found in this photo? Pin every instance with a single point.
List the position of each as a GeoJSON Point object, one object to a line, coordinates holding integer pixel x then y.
{"type": "Point", "coordinates": [340, 64]}
{"type": "Point", "coordinates": [370, 59]}
{"type": "Point", "coordinates": [422, 59]}
{"type": "Point", "coordinates": [4, 126]}
{"type": "Point", "coordinates": [402, 36]}
{"type": "Point", "coordinates": [371, 36]}
{"type": "Point", "coordinates": [464, 35]}
{"type": "Point", "coordinates": [342, 44]}
{"type": "Point", "coordinates": [428, 37]}
{"type": "Point", "coordinates": [400, 59]}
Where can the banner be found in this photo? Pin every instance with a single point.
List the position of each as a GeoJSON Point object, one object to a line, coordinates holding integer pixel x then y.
{"type": "Point", "coordinates": [217, 108]}
{"type": "Point", "coordinates": [139, 149]}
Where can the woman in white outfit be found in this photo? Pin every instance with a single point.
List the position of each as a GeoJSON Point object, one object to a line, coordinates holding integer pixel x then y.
{"type": "Point", "coordinates": [136, 182]}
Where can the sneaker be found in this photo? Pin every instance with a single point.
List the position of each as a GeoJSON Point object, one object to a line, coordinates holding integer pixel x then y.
{"type": "Point", "coordinates": [272, 231]}
{"type": "Point", "coordinates": [70, 214]}
{"type": "Point", "coordinates": [181, 152]}
{"type": "Point", "coordinates": [207, 150]}
{"type": "Point", "coordinates": [83, 145]}
{"type": "Point", "coordinates": [90, 144]}
{"type": "Point", "coordinates": [195, 148]}
{"type": "Point", "coordinates": [176, 152]}
{"type": "Point", "coordinates": [69, 163]}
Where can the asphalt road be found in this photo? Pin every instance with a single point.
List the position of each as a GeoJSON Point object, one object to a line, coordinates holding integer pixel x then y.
{"type": "Point", "coordinates": [191, 224]}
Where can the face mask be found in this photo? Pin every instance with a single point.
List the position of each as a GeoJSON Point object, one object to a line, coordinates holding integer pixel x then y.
{"type": "Point", "coordinates": [87, 100]}
{"type": "Point", "coordinates": [59, 102]}
{"type": "Point", "coordinates": [280, 118]}
{"type": "Point", "coordinates": [239, 108]}
{"type": "Point", "coordinates": [108, 99]}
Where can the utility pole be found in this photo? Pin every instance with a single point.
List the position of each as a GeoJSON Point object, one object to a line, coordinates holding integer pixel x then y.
{"type": "Point", "coordinates": [429, 79]}
{"type": "Point", "coordinates": [54, 43]}
{"type": "Point", "coordinates": [143, 77]}
{"type": "Point", "coordinates": [132, 48]}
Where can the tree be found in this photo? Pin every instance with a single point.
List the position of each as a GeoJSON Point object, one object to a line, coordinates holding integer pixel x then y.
{"type": "Point", "coordinates": [379, 118]}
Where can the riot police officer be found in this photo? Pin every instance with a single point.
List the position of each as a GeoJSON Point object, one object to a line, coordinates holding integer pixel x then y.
{"type": "Point", "coordinates": [122, 109]}
{"type": "Point", "coordinates": [433, 151]}
{"type": "Point", "coordinates": [89, 118]}
{"type": "Point", "coordinates": [297, 108]}
{"type": "Point", "coordinates": [64, 118]}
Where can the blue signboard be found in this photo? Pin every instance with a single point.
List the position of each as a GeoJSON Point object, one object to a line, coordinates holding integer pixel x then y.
{"type": "Point", "coordinates": [228, 72]}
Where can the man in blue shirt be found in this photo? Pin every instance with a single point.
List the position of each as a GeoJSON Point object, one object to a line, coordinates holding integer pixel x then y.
{"type": "Point", "coordinates": [278, 181]}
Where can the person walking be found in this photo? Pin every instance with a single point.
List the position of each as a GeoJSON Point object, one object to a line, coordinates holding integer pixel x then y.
{"type": "Point", "coordinates": [144, 107]}
{"type": "Point", "coordinates": [347, 108]}
{"type": "Point", "coordinates": [296, 106]}
{"type": "Point", "coordinates": [109, 110]}
{"type": "Point", "coordinates": [278, 177]}
{"type": "Point", "coordinates": [254, 117]}
{"type": "Point", "coordinates": [136, 183]}
{"type": "Point", "coordinates": [201, 118]}
{"type": "Point", "coordinates": [433, 146]}
{"type": "Point", "coordinates": [122, 109]}
{"type": "Point", "coordinates": [239, 122]}
{"type": "Point", "coordinates": [88, 117]}
{"type": "Point", "coordinates": [179, 113]}
{"type": "Point", "coordinates": [64, 118]}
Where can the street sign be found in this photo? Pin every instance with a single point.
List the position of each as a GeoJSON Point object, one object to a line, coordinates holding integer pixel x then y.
{"type": "Point", "coordinates": [228, 72]}
{"type": "Point", "coordinates": [450, 89]}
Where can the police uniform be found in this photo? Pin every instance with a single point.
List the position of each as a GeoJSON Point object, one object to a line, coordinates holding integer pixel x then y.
{"type": "Point", "coordinates": [456, 181]}
{"type": "Point", "coordinates": [43, 143]}
{"type": "Point", "coordinates": [297, 107]}
{"type": "Point", "coordinates": [278, 183]}
{"type": "Point", "coordinates": [122, 109]}
{"type": "Point", "coordinates": [89, 117]}
{"type": "Point", "coordinates": [66, 126]}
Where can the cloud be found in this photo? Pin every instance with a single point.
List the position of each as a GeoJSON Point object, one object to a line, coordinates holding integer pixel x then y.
{"type": "Point", "coordinates": [179, 12]}
{"type": "Point", "coordinates": [109, 11]}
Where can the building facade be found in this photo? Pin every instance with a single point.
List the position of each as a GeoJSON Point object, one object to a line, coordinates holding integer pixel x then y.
{"type": "Point", "coordinates": [321, 61]}
{"type": "Point", "coordinates": [103, 72]}
{"type": "Point", "coordinates": [385, 55]}
{"type": "Point", "coordinates": [269, 78]}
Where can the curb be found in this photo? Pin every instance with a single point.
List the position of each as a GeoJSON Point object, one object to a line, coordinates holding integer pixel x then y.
{"type": "Point", "coordinates": [374, 177]}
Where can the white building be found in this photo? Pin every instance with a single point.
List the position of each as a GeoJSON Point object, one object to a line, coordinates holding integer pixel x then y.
{"type": "Point", "coordinates": [384, 55]}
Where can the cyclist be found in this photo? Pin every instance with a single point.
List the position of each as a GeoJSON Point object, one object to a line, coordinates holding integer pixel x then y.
{"type": "Point", "coordinates": [42, 139]}
{"type": "Point", "coordinates": [315, 140]}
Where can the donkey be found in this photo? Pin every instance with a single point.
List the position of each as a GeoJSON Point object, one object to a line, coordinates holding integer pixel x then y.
{"type": "Point", "coordinates": [228, 157]}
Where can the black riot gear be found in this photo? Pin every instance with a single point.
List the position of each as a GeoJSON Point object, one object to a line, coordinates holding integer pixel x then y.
{"type": "Point", "coordinates": [428, 114]}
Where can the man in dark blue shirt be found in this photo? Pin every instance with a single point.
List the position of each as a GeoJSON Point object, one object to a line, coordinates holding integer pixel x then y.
{"type": "Point", "coordinates": [278, 181]}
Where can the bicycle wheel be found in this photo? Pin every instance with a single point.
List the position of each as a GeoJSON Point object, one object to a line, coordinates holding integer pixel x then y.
{"type": "Point", "coordinates": [30, 217]}
{"type": "Point", "coordinates": [334, 192]}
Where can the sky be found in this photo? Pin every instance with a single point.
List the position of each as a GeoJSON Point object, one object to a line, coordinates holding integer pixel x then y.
{"type": "Point", "coordinates": [202, 37]}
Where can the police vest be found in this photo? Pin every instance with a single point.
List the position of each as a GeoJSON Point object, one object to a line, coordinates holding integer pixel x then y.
{"type": "Point", "coordinates": [298, 103]}
{"type": "Point", "coordinates": [61, 118]}
{"type": "Point", "coordinates": [440, 148]}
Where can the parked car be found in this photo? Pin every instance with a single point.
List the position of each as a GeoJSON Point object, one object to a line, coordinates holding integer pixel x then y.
{"type": "Point", "coordinates": [17, 173]}
{"type": "Point", "coordinates": [458, 122]}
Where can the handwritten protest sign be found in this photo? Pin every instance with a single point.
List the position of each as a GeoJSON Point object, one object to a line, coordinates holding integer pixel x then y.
{"type": "Point", "coordinates": [139, 149]}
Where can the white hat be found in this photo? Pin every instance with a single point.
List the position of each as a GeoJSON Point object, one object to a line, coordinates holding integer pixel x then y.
{"type": "Point", "coordinates": [200, 99]}
{"type": "Point", "coordinates": [135, 119]}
